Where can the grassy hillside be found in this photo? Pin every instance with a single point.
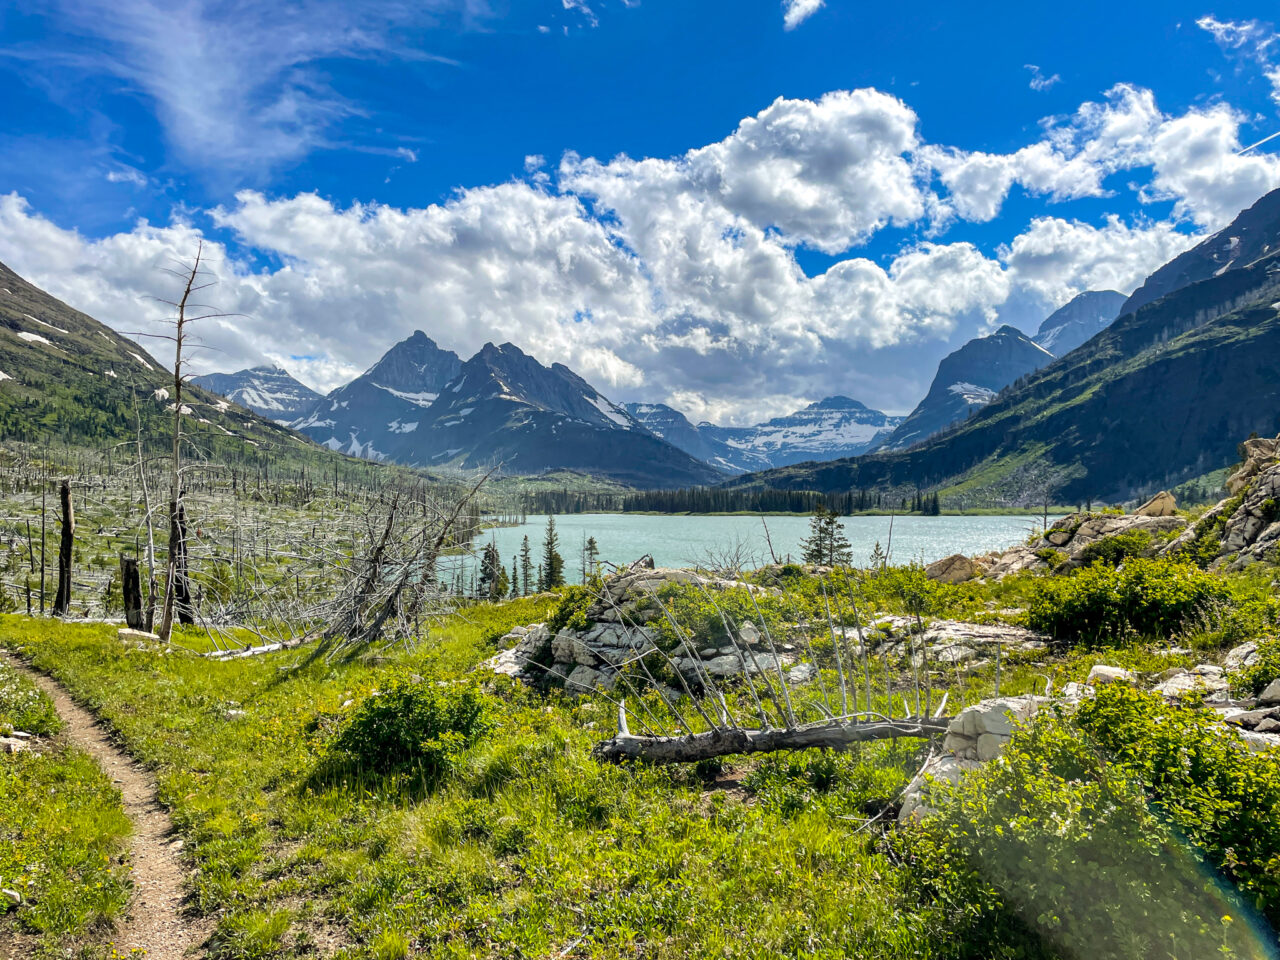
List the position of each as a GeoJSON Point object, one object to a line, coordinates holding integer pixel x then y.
{"type": "Point", "coordinates": [67, 379]}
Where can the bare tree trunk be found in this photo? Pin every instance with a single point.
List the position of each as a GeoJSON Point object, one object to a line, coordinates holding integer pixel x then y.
{"type": "Point", "coordinates": [175, 474]}
{"type": "Point", "coordinates": [131, 589]}
{"type": "Point", "coordinates": [66, 548]}
{"type": "Point", "coordinates": [182, 581]}
{"type": "Point", "coordinates": [43, 522]}
{"type": "Point", "coordinates": [722, 742]}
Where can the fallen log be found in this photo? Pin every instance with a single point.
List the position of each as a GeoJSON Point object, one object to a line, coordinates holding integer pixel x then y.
{"type": "Point", "coordinates": [722, 742]}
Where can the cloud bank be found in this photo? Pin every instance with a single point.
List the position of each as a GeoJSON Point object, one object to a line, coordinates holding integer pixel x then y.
{"type": "Point", "coordinates": [677, 278]}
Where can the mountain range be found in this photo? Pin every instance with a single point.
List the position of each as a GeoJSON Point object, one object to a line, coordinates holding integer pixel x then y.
{"type": "Point", "coordinates": [1090, 407]}
{"type": "Point", "coordinates": [368, 416]}
{"type": "Point", "coordinates": [268, 391]}
{"type": "Point", "coordinates": [830, 428]}
{"type": "Point", "coordinates": [1162, 394]}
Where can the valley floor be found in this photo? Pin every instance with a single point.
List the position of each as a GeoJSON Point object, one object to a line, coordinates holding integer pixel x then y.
{"type": "Point", "coordinates": [521, 844]}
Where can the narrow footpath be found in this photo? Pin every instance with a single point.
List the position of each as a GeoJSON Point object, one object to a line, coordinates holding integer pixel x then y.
{"type": "Point", "coordinates": [154, 926]}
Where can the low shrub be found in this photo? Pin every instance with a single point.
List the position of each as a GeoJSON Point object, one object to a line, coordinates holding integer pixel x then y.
{"type": "Point", "coordinates": [1113, 551]}
{"type": "Point", "coordinates": [25, 707]}
{"type": "Point", "coordinates": [1055, 851]}
{"type": "Point", "coordinates": [863, 781]}
{"type": "Point", "coordinates": [413, 725]}
{"type": "Point", "coordinates": [1200, 779]}
{"type": "Point", "coordinates": [571, 612]}
{"type": "Point", "coordinates": [1101, 606]}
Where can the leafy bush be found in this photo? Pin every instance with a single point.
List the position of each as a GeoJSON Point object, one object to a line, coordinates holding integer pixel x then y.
{"type": "Point", "coordinates": [1199, 778]}
{"type": "Point", "coordinates": [862, 781]}
{"type": "Point", "coordinates": [571, 612]}
{"type": "Point", "coordinates": [1053, 851]}
{"type": "Point", "coordinates": [414, 725]}
{"type": "Point", "coordinates": [1115, 550]}
{"type": "Point", "coordinates": [23, 706]}
{"type": "Point", "coordinates": [1099, 606]}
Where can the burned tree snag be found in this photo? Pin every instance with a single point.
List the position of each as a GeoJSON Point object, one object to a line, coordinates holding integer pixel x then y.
{"type": "Point", "coordinates": [182, 580]}
{"type": "Point", "coordinates": [66, 547]}
{"type": "Point", "coordinates": [131, 588]}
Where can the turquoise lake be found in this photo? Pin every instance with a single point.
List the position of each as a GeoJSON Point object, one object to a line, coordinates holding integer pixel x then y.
{"type": "Point", "coordinates": [676, 541]}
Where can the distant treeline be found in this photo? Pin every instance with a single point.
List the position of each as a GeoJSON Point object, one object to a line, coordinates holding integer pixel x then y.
{"type": "Point", "coordinates": [713, 500]}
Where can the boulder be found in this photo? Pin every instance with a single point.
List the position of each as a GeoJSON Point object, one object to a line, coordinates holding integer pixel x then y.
{"type": "Point", "coordinates": [946, 768]}
{"type": "Point", "coordinates": [584, 679]}
{"type": "Point", "coordinates": [12, 745]}
{"type": "Point", "coordinates": [1270, 697]}
{"type": "Point", "coordinates": [1210, 688]}
{"type": "Point", "coordinates": [802, 673]}
{"type": "Point", "coordinates": [1101, 673]}
{"type": "Point", "coordinates": [1257, 454]}
{"type": "Point", "coordinates": [1162, 504]}
{"type": "Point", "coordinates": [1241, 657]}
{"type": "Point", "coordinates": [956, 568]}
{"type": "Point", "coordinates": [1015, 560]}
{"type": "Point", "coordinates": [1259, 742]}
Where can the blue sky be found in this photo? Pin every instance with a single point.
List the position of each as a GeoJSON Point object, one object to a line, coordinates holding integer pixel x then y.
{"type": "Point", "coordinates": [736, 206]}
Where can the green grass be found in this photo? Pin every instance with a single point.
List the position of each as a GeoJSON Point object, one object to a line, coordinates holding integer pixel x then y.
{"type": "Point", "coordinates": [524, 845]}
{"type": "Point", "coordinates": [529, 847]}
{"type": "Point", "coordinates": [62, 832]}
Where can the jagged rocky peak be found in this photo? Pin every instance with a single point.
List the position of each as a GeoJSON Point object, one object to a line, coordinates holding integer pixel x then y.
{"type": "Point", "coordinates": [1078, 320]}
{"type": "Point", "coordinates": [415, 365]}
{"type": "Point", "coordinates": [968, 379]}
{"type": "Point", "coordinates": [507, 373]}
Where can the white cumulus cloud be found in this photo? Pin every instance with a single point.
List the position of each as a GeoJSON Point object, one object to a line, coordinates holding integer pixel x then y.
{"type": "Point", "coordinates": [795, 12]}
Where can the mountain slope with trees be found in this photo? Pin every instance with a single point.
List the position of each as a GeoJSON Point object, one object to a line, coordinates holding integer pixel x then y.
{"type": "Point", "coordinates": [1163, 394]}
{"type": "Point", "coordinates": [66, 377]}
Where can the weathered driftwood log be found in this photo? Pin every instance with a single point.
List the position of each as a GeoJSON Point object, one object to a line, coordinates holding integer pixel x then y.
{"type": "Point", "coordinates": [719, 743]}
{"type": "Point", "coordinates": [131, 590]}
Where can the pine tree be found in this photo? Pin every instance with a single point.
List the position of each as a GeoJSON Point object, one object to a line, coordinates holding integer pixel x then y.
{"type": "Point", "coordinates": [490, 567]}
{"type": "Point", "coordinates": [590, 557]}
{"type": "Point", "coordinates": [552, 563]}
{"type": "Point", "coordinates": [826, 543]}
{"type": "Point", "coordinates": [515, 579]}
{"type": "Point", "coordinates": [526, 567]}
{"type": "Point", "coordinates": [878, 556]}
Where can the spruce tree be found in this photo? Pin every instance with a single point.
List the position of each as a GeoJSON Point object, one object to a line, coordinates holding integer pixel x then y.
{"type": "Point", "coordinates": [490, 569]}
{"type": "Point", "coordinates": [826, 543]}
{"type": "Point", "coordinates": [526, 566]}
{"type": "Point", "coordinates": [552, 563]}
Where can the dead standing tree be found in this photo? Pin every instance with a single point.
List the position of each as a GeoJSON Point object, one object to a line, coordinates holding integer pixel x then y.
{"type": "Point", "coordinates": [177, 598]}
{"type": "Point", "coordinates": [66, 551]}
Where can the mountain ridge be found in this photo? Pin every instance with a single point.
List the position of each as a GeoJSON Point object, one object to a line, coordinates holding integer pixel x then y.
{"type": "Point", "coordinates": [1162, 394]}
